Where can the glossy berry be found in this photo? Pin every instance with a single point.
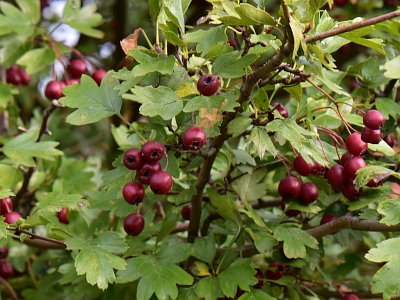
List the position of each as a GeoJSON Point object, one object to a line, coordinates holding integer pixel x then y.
{"type": "Point", "coordinates": [289, 212]}
{"type": "Point", "coordinates": [353, 165]}
{"type": "Point", "coordinates": [281, 109]}
{"type": "Point", "coordinates": [372, 136]}
{"type": "Point", "coordinates": [389, 140]}
{"type": "Point", "coordinates": [54, 89]}
{"type": "Point", "coordinates": [355, 145]}
{"type": "Point", "coordinates": [373, 119]}
{"type": "Point", "coordinates": [152, 151]}
{"type": "Point", "coordinates": [134, 224]}
{"type": "Point", "coordinates": [3, 252]}
{"type": "Point", "coordinates": [345, 157]}
{"type": "Point", "coordinates": [308, 193]}
{"type": "Point", "coordinates": [350, 297]}
{"type": "Point", "coordinates": [350, 192]}
{"type": "Point", "coordinates": [208, 85]}
{"type": "Point", "coordinates": [318, 169]}
{"type": "Point", "coordinates": [133, 193]}
{"type": "Point", "coordinates": [6, 269]}
{"type": "Point", "coordinates": [12, 217]}
{"type": "Point", "coordinates": [62, 216]}
{"type": "Point", "coordinates": [133, 159]}
{"type": "Point", "coordinates": [302, 167]}
{"type": "Point", "coordinates": [194, 138]}
{"type": "Point", "coordinates": [336, 176]}
{"type": "Point", "coordinates": [147, 170]}
{"type": "Point", "coordinates": [289, 187]}
{"type": "Point", "coordinates": [98, 76]}
{"type": "Point", "coordinates": [25, 78]}
{"type": "Point", "coordinates": [276, 271]}
{"type": "Point", "coordinates": [6, 205]}
{"type": "Point", "coordinates": [77, 68]}
{"type": "Point", "coordinates": [328, 218]}
{"type": "Point", "coordinates": [161, 182]}
{"type": "Point", "coordinates": [185, 212]}
{"type": "Point", "coordinates": [13, 76]}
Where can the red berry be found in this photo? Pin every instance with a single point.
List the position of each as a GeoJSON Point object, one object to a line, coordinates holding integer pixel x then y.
{"type": "Point", "coordinates": [54, 89]}
{"type": "Point", "coordinates": [353, 165]}
{"type": "Point", "coordinates": [328, 218]}
{"type": "Point", "coordinates": [373, 119]}
{"type": "Point", "coordinates": [12, 217]}
{"type": "Point", "coordinates": [345, 157]}
{"type": "Point", "coordinates": [302, 167]}
{"type": "Point", "coordinates": [3, 252]}
{"type": "Point", "coordinates": [372, 136]}
{"type": "Point", "coordinates": [318, 169]}
{"type": "Point", "coordinates": [147, 170]}
{"type": "Point", "coordinates": [194, 138]}
{"type": "Point", "coordinates": [372, 183]}
{"type": "Point", "coordinates": [25, 78]}
{"type": "Point", "coordinates": [276, 271]}
{"type": "Point", "coordinates": [308, 193]}
{"type": "Point", "coordinates": [350, 192]}
{"type": "Point", "coordinates": [13, 76]}
{"type": "Point", "coordinates": [133, 193]}
{"type": "Point", "coordinates": [185, 212]}
{"type": "Point", "coordinates": [289, 212]}
{"type": "Point", "coordinates": [6, 205]}
{"type": "Point", "coordinates": [208, 85]}
{"type": "Point", "coordinates": [350, 297]}
{"type": "Point", "coordinates": [260, 277]}
{"type": "Point", "coordinates": [134, 224]}
{"type": "Point", "coordinates": [133, 159]}
{"type": "Point", "coordinates": [72, 81]}
{"type": "Point", "coordinates": [389, 140]}
{"type": "Point", "coordinates": [77, 68]}
{"type": "Point", "coordinates": [160, 182]}
{"type": "Point", "coordinates": [336, 176]}
{"type": "Point", "coordinates": [355, 145]}
{"type": "Point", "coordinates": [6, 269]}
{"type": "Point", "coordinates": [62, 216]}
{"type": "Point", "coordinates": [98, 76]}
{"type": "Point", "coordinates": [289, 187]}
{"type": "Point", "coordinates": [280, 108]}
{"type": "Point", "coordinates": [340, 2]}
{"type": "Point", "coordinates": [152, 151]}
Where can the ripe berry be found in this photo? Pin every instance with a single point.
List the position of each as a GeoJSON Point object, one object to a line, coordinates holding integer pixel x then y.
{"type": "Point", "coordinates": [302, 167]}
{"type": "Point", "coordinates": [372, 136]}
{"type": "Point", "coordinates": [133, 159]}
{"type": "Point", "coordinates": [185, 212]}
{"type": "Point", "coordinates": [373, 119]}
{"type": "Point", "coordinates": [345, 157]}
{"type": "Point", "coordinates": [350, 297]}
{"type": "Point", "coordinates": [77, 68]}
{"type": "Point", "coordinates": [13, 76]}
{"type": "Point", "coordinates": [98, 76]}
{"type": "Point", "coordinates": [161, 182]}
{"type": "Point", "coordinates": [328, 218]}
{"type": "Point", "coordinates": [6, 269]}
{"type": "Point", "coordinates": [194, 138]}
{"type": "Point", "coordinates": [72, 81]}
{"type": "Point", "coordinates": [289, 187]}
{"type": "Point", "coordinates": [134, 224]}
{"type": "Point", "coordinates": [289, 212]}
{"type": "Point", "coordinates": [152, 151]}
{"type": "Point", "coordinates": [3, 252]}
{"type": "Point", "coordinates": [352, 165]}
{"type": "Point", "coordinates": [372, 183]}
{"type": "Point", "coordinates": [62, 216]}
{"type": "Point", "coordinates": [355, 145]}
{"type": "Point", "coordinates": [6, 205]}
{"type": "Point", "coordinates": [276, 271]}
{"type": "Point", "coordinates": [340, 2]}
{"type": "Point", "coordinates": [389, 140]}
{"type": "Point", "coordinates": [308, 193]}
{"type": "Point", "coordinates": [260, 277]}
{"type": "Point", "coordinates": [133, 193]}
{"type": "Point", "coordinates": [280, 108]}
{"type": "Point", "coordinates": [336, 176]}
{"type": "Point", "coordinates": [25, 78]}
{"type": "Point", "coordinates": [12, 217]}
{"type": "Point", "coordinates": [147, 170]}
{"type": "Point", "coordinates": [54, 89]}
{"type": "Point", "coordinates": [350, 192]}
{"type": "Point", "coordinates": [208, 85]}
{"type": "Point", "coordinates": [318, 169]}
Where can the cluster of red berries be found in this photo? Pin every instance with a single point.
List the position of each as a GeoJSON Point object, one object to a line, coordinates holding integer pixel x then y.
{"type": "Point", "coordinates": [17, 76]}
{"type": "Point", "coordinates": [6, 268]}
{"type": "Point", "coordinates": [77, 68]}
{"type": "Point", "coordinates": [6, 206]}
{"type": "Point", "coordinates": [373, 121]}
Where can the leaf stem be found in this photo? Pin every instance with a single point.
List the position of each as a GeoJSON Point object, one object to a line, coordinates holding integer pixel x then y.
{"type": "Point", "coordinates": [133, 128]}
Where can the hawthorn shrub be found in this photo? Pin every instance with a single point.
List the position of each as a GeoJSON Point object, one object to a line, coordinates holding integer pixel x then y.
{"type": "Point", "coordinates": [264, 164]}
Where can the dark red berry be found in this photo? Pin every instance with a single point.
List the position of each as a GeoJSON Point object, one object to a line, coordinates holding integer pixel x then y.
{"type": "Point", "coordinates": [98, 76]}
{"type": "Point", "coordinates": [350, 297]}
{"type": "Point", "coordinates": [289, 187]}
{"type": "Point", "coordinates": [54, 89]}
{"type": "Point", "coordinates": [133, 159]}
{"type": "Point", "coordinates": [389, 140]}
{"type": "Point", "coordinates": [280, 108]}
{"type": "Point", "coordinates": [208, 85]}
{"type": "Point", "coordinates": [3, 252]}
{"type": "Point", "coordinates": [25, 78]}
{"type": "Point", "coordinates": [372, 136]}
{"type": "Point", "coordinates": [350, 192]}
{"type": "Point", "coordinates": [62, 216]}
{"type": "Point", "coordinates": [328, 218]}
{"type": "Point", "coordinates": [372, 183]}
{"type": "Point", "coordinates": [6, 269]}
{"type": "Point", "coordinates": [289, 212]}
{"type": "Point", "coordinates": [340, 2]}
{"type": "Point", "coordinates": [13, 76]}
{"type": "Point", "coordinates": [194, 138]}
{"type": "Point", "coordinates": [345, 157]}
{"type": "Point", "coordinates": [276, 271]}
{"type": "Point", "coordinates": [185, 212]}
{"type": "Point", "coordinates": [302, 167]}
{"type": "Point", "coordinates": [147, 170]}
{"type": "Point", "coordinates": [260, 277]}
{"type": "Point", "coordinates": [353, 165]}
{"type": "Point", "coordinates": [6, 205]}
{"type": "Point", "coordinates": [373, 119]}
{"type": "Point", "coordinates": [308, 193]}
{"type": "Point", "coordinates": [12, 217]}
{"type": "Point", "coordinates": [152, 151]}
{"type": "Point", "coordinates": [355, 145]}
{"type": "Point", "coordinates": [134, 224]}
{"type": "Point", "coordinates": [161, 182]}
{"type": "Point", "coordinates": [77, 68]}
{"type": "Point", "coordinates": [133, 193]}
{"type": "Point", "coordinates": [336, 176]}
{"type": "Point", "coordinates": [318, 169]}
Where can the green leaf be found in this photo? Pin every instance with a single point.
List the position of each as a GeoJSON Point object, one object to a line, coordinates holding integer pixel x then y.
{"type": "Point", "coordinates": [24, 148]}
{"type": "Point", "coordinates": [12, 48]}
{"type": "Point", "coordinates": [264, 241]}
{"type": "Point", "coordinates": [14, 20]}
{"type": "Point", "coordinates": [239, 125]}
{"type": "Point", "coordinates": [37, 59]}
{"type": "Point", "coordinates": [241, 156]}
{"type": "Point", "coordinates": [377, 173]}
{"type": "Point", "coordinates": [168, 223]}
{"type": "Point", "coordinates": [237, 274]}
{"type": "Point", "coordinates": [249, 187]}
{"type": "Point", "coordinates": [209, 103]}
{"type": "Point", "coordinates": [386, 281]}
{"type": "Point", "coordinates": [370, 195]}
{"type": "Point", "coordinates": [245, 14]}
{"type": "Point", "coordinates": [204, 248]}
{"type": "Point", "coordinates": [385, 251]}
{"type": "Point", "coordinates": [147, 64]}
{"type": "Point", "coordinates": [4, 193]}
{"type": "Point", "coordinates": [232, 64]}
{"type": "Point", "coordinates": [97, 258]}
{"type": "Point", "coordinates": [173, 9]}
{"type": "Point", "coordinates": [7, 92]}
{"type": "Point", "coordinates": [3, 227]}
{"type": "Point", "coordinates": [256, 294]}
{"type": "Point", "coordinates": [31, 9]}
{"type": "Point", "coordinates": [93, 103]}
{"type": "Point", "coordinates": [259, 142]}
{"type": "Point", "coordinates": [392, 68]}
{"type": "Point", "coordinates": [356, 37]}
{"type": "Point", "coordinates": [83, 18]}
{"type": "Point", "coordinates": [371, 76]}
{"type": "Point", "coordinates": [206, 39]}
{"type": "Point", "coordinates": [382, 147]}
{"type": "Point", "coordinates": [390, 210]}
{"type": "Point", "coordinates": [174, 253]}
{"type": "Point", "coordinates": [294, 241]}
{"type": "Point", "coordinates": [388, 107]}
{"type": "Point", "coordinates": [129, 274]}
{"type": "Point", "coordinates": [208, 288]}
{"type": "Point", "coordinates": [225, 207]}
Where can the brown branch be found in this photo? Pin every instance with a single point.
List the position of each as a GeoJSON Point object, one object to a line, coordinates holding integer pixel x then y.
{"type": "Point", "coordinates": [44, 241]}
{"type": "Point", "coordinates": [9, 287]}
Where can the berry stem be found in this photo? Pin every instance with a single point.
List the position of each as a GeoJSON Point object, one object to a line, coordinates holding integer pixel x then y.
{"type": "Point", "coordinates": [147, 38]}
{"type": "Point", "coordinates": [9, 287]}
